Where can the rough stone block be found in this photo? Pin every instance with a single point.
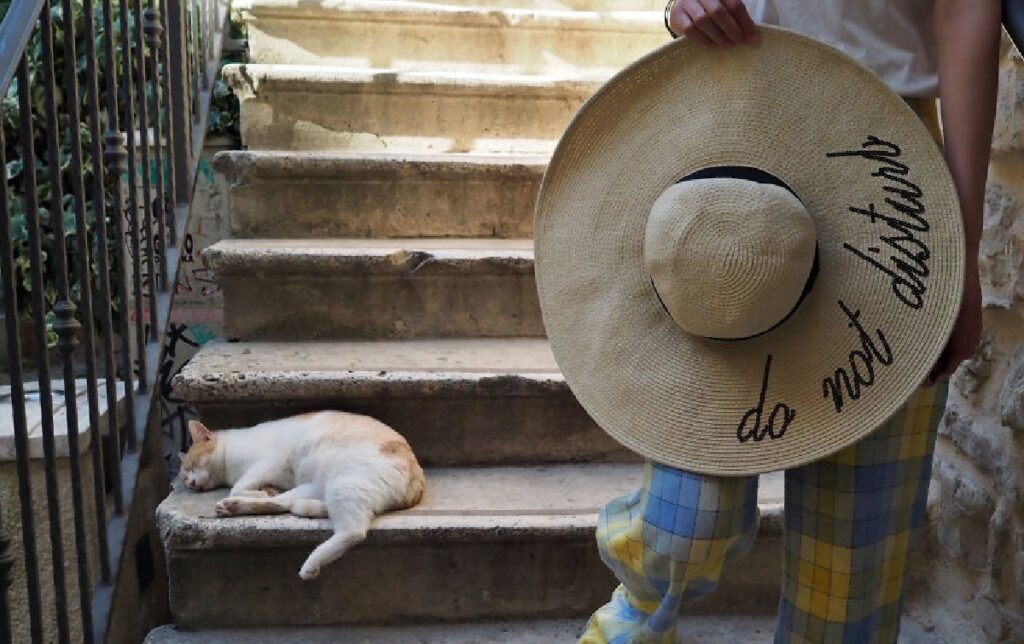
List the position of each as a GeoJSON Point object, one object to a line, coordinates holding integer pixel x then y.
{"type": "Point", "coordinates": [1011, 398]}
{"type": "Point", "coordinates": [1008, 135]}
{"type": "Point", "coordinates": [1002, 242]}
{"type": "Point", "coordinates": [983, 441]}
{"type": "Point", "coordinates": [964, 509]}
{"type": "Point", "coordinates": [975, 372]}
{"type": "Point", "coordinates": [990, 615]}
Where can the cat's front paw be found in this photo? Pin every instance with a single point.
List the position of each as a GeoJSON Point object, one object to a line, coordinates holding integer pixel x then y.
{"type": "Point", "coordinates": [309, 571]}
{"type": "Point", "coordinates": [226, 507]}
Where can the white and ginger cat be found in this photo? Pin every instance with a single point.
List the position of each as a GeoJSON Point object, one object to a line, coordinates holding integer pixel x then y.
{"type": "Point", "coordinates": [330, 463]}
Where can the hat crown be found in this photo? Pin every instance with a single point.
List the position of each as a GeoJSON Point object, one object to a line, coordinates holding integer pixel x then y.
{"type": "Point", "coordinates": [729, 258]}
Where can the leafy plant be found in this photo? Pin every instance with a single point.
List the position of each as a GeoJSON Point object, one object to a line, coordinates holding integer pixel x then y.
{"type": "Point", "coordinates": [224, 106]}
{"type": "Point", "coordinates": [55, 212]}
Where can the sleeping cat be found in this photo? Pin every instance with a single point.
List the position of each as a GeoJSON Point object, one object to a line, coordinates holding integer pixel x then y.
{"type": "Point", "coordinates": [330, 463]}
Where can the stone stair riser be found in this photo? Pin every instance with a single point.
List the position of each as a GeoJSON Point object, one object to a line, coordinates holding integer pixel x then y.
{"type": "Point", "coordinates": [389, 112]}
{"type": "Point", "coordinates": [367, 197]}
{"type": "Point", "coordinates": [267, 306]}
{"type": "Point", "coordinates": [468, 39]}
{"type": "Point", "coordinates": [447, 430]}
{"type": "Point", "coordinates": [424, 582]}
{"type": "Point", "coordinates": [569, 5]}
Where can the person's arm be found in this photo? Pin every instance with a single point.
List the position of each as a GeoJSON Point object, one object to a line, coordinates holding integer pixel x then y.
{"type": "Point", "coordinates": [968, 34]}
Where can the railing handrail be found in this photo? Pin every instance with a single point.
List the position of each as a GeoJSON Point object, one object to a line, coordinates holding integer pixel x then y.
{"type": "Point", "coordinates": [15, 32]}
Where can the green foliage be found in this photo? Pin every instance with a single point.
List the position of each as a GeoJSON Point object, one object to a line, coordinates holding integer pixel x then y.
{"type": "Point", "coordinates": [224, 107]}
{"type": "Point", "coordinates": [53, 213]}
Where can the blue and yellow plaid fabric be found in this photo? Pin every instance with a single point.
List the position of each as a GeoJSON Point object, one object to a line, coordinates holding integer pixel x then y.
{"type": "Point", "coordinates": [850, 524]}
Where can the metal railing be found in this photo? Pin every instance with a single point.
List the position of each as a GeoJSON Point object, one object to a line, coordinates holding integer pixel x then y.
{"type": "Point", "coordinates": [101, 126]}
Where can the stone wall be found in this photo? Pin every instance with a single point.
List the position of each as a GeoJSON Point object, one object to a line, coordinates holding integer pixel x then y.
{"type": "Point", "coordinates": [977, 499]}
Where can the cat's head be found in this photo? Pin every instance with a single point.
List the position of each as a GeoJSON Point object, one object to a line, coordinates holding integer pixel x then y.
{"type": "Point", "coordinates": [200, 470]}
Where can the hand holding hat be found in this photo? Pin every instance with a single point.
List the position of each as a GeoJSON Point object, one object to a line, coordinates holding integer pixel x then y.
{"type": "Point", "coordinates": [720, 22]}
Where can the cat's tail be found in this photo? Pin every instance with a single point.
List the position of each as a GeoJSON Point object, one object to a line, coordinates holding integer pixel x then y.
{"type": "Point", "coordinates": [352, 500]}
{"type": "Point", "coordinates": [348, 531]}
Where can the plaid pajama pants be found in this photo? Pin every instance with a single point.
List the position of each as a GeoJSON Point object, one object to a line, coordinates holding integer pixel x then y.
{"type": "Point", "coordinates": [850, 523]}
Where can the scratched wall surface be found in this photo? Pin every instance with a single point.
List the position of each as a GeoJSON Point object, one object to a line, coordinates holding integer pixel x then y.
{"type": "Point", "coordinates": [196, 317]}
{"type": "Point", "coordinates": [976, 505]}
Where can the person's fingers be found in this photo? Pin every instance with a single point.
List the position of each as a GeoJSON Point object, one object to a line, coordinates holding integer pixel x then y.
{"type": "Point", "coordinates": [703, 23]}
{"type": "Point", "coordinates": [683, 25]}
{"type": "Point", "coordinates": [742, 16]}
{"type": "Point", "coordinates": [724, 20]}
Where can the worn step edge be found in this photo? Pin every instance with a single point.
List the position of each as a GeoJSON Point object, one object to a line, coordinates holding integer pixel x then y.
{"type": "Point", "coordinates": [239, 165]}
{"type": "Point", "coordinates": [716, 629]}
{"type": "Point", "coordinates": [249, 79]}
{"type": "Point", "coordinates": [187, 521]}
{"type": "Point", "coordinates": [429, 14]}
{"type": "Point", "coordinates": [692, 629]}
{"type": "Point", "coordinates": [338, 257]}
{"type": "Point", "coordinates": [261, 371]}
{"type": "Point", "coordinates": [540, 5]}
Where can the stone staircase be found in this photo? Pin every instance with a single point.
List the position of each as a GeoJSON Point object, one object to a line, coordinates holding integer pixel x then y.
{"type": "Point", "coordinates": [381, 262]}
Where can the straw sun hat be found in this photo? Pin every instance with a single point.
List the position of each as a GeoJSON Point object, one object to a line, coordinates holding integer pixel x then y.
{"type": "Point", "coordinates": [747, 258]}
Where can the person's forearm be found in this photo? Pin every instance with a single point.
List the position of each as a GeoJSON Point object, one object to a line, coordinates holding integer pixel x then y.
{"type": "Point", "coordinates": [968, 34]}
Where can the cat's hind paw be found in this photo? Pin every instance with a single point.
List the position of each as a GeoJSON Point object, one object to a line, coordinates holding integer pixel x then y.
{"type": "Point", "coordinates": [226, 507]}
{"type": "Point", "coordinates": [309, 571]}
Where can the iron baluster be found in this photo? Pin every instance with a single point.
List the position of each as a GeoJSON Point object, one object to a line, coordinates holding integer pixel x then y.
{"type": "Point", "coordinates": [179, 115]}
{"type": "Point", "coordinates": [114, 155]}
{"type": "Point", "coordinates": [127, 60]}
{"type": "Point", "coordinates": [39, 315]}
{"type": "Point", "coordinates": [69, 326]}
{"type": "Point", "coordinates": [142, 139]}
{"type": "Point", "coordinates": [66, 325]}
{"type": "Point", "coordinates": [10, 295]}
{"type": "Point", "coordinates": [171, 168]}
{"type": "Point", "coordinates": [153, 30]}
{"type": "Point", "coordinates": [103, 277]}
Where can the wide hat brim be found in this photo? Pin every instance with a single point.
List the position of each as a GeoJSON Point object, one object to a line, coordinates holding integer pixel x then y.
{"type": "Point", "coordinates": [880, 310]}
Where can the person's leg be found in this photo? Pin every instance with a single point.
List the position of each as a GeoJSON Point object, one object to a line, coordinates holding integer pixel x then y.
{"type": "Point", "coordinates": [851, 522]}
{"type": "Point", "coordinates": [666, 544]}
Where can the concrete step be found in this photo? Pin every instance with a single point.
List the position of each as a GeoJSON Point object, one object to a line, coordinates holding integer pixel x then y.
{"type": "Point", "coordinates": [485, 544]}
{"type": "Point", "coordinates": [314, 289]}
{"type": "Point", "coordinates": [332, 194]}
{"type": "Point", "coordinates": [605, 6]}
{"type": "Point", "coordinates": [693, 629]}
{"type": "Point", "coordinates": [297, 107]}
{"type": "Point", "coordinates": [398, 34]}
{"type": "Point", "coordinates": [457, 401]}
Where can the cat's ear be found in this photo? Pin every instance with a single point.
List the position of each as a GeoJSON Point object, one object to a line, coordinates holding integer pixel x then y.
{"type": "Point", "coordinates": [200, 433]}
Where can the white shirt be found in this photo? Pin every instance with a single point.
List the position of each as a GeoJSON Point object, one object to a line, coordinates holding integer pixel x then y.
{"type": "Point", "coordinates": [893, 38]}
